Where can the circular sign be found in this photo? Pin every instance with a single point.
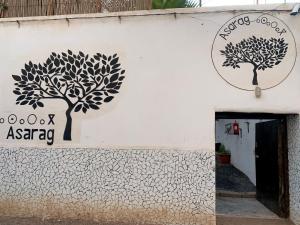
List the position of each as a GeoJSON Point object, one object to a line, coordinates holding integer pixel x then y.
{"type": "Point", "coordinates": [253, 50]}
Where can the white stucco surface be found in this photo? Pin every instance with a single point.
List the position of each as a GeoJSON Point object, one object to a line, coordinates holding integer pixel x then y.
{"type": "Point", "coordinates": [166, 74]}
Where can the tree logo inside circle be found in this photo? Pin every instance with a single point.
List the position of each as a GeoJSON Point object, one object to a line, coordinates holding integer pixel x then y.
{"type": "Point", "coordinates": [254, 50]}
{"type": "Point", "coordinates": [83, 82]}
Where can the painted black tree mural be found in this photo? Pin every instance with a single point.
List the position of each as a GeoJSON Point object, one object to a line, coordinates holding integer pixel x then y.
{"type": "Point", "coordinates": [83, 82]}
{"type": "Point", "coordinates": [260, 52]}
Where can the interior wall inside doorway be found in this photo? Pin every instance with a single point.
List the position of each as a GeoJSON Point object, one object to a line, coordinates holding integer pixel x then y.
{"type": "Point", "coordinates": [242, 146]}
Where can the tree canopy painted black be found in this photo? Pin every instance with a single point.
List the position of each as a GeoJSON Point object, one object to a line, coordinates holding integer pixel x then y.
{"type": "Point", "coordinates": [83, 82]}
{"type": "Point", "coordinates": [260, 52]}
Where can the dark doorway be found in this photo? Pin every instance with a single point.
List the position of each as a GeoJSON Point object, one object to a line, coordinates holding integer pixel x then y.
{"type": "Point", "coordinates": [271, 166]}
{"type": "Point", "coordinates": [270, 158]}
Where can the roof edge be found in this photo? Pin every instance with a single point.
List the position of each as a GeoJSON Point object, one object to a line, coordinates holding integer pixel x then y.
{"type": "Point", "coordinates": [219, 9]}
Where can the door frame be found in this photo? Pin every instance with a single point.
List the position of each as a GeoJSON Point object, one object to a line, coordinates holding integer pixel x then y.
{"type": "Point", "coordinates": [284, 173]}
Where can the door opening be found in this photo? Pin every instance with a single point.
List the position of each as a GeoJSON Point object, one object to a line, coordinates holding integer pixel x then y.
{"type": "Point", "coordinates": [252, 165]}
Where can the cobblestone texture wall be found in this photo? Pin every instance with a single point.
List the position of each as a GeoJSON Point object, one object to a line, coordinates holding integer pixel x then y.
{"type": "Point", "coordinates": [294, 167]}
{"type": "Point", "coordinates": [136, 186]}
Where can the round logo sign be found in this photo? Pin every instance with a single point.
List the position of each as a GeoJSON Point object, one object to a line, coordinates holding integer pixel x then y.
{"type": "Point", "coordinates": [253, 50]}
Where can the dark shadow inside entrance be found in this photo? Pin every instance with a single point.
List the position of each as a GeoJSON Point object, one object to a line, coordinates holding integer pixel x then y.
{"type": "Point", "coordinates": [230, 181]}
{"type": "Point", "coordinates": [252, 165]}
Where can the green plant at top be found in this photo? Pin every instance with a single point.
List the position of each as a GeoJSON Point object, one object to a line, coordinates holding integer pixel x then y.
{"type": "Point", "coordinates": [222, 150]}
{"type": "Point", "coordinates": [167, 4]}
{"type": "Point", "coordinates": [3, 6]}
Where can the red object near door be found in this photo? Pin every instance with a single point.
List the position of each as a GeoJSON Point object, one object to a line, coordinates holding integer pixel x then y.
{"type": "Point", "coordinates": [236, 128]}
{"type": "Point", "coordinates": [223, 159]}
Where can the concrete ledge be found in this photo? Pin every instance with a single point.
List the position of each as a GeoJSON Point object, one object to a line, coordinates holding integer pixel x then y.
{"type": "Point", "coordinates": [226, 220]}
{"type": "Point", "coordinates": [222, 193]}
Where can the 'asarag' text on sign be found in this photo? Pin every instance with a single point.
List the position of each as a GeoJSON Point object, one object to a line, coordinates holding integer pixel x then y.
{"type": "Point", "coordinates": [245, 21]}
{"type": "Point", "coordinates": [30, 128]}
